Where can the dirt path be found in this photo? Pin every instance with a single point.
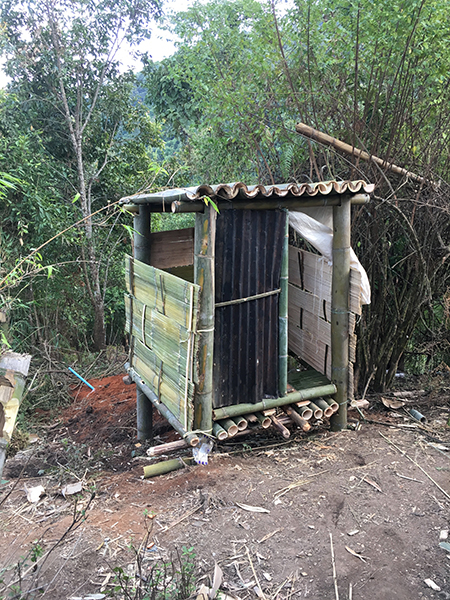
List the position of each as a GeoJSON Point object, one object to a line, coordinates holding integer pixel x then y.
{"type": "Point", "coordinates": [384, 515]}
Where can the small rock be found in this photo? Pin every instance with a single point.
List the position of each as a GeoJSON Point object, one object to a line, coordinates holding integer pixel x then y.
{"type": "Point", "coordinates": [434, 586]}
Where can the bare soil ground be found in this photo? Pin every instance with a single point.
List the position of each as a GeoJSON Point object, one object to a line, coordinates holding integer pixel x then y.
{"type": "Point", "coordinates": [353, 492]}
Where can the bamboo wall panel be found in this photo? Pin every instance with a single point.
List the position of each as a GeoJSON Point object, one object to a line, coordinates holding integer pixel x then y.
{"type": "Point", "coordinates": [161, 316]}
{"type": "Point", "coordinates": [310, 311]}
{"type": "Point", "coordinates": [172, 248]}
{"type": "Point", "coordinates": [313, 273]}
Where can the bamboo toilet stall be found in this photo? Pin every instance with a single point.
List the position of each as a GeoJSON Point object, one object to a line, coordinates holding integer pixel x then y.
{"type": "Point", "coordinates": [213, 311]}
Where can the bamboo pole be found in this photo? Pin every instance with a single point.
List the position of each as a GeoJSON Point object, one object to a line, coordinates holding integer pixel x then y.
{"type": "Point", "coordinates": [167, 447]}
{"type": "Point", "coordinates": [328, 140]}
{"type": "Point", "coordinates": [191, 438]}
{"type": "Point", "coordinates": [298, 396]}
{"type": "Point", "coordinates": [339, 311]}
{"type": "Point", "coordinates": [166, 466]}
{"type": "Point", "coordinates": [219, 432]}
{"type": "Point", "coordinates": [241, 423]}
{"type": "Point", "coordinates": [263, 420]}
{"type": "Point", "coordinates": [334, 405]}
{"type": "Point", "coordinates": [317, 412]}
{"type": "Point", "coordinates": [296, 418]}
{"type": "Point", "coordinates": [142, 250]}
{"type": "Point", "coordinates": [289, 203]}
{"type": "Point", "coordinates": [327, 410]}
{"type": "Point", "coordinates": [281, 428]}
{"type": "Point", "coordinates": [229, 426]}
{"type": "Point", "coordinates": [304, 411]}
{"type": "Point", "coordinates": [204, 253]}
{"type": "Point", "coordinates": [283, 313]}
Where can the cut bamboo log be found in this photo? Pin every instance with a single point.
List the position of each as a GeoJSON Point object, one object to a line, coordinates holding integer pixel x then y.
{"type": "Point", "coordinates": [264, 421]}
{"type": "Point", "coordinates": [304, 411]}
{"type": "Point", "coordinates": [230, 427]}
{"type": "Point", "coordinates": [327, 410]}
{"type": "Point", "coordinates": [317, 412]}
{"type": "Point", "coordinates": [241, 423]}
{"type": "Point", "coordinates": [333, 404]}
{"type": "Point", "coordinates": [281, 428]}
{"type": "Point", "coordinates": [166, 448]}
{"type": "Point", "coordinates": [166, 466]}
{"type": "Point", "coordinates": [297, 419]}
{"type": "Point", "coordinates": [219, 432]}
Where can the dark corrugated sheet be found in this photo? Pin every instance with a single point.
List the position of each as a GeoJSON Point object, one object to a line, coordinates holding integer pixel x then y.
{"type": "Point", "coordinates": [248, 261]}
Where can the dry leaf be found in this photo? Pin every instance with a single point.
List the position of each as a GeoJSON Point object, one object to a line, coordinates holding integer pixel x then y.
{"type": "Point", "coordinates": [217, 581]}
{"type": "Point", "coordinates": [257, 509]}
{"type": "Point", "coordinates": [392, 404]}
{"type": "Point", "coordinates": [353, 553]}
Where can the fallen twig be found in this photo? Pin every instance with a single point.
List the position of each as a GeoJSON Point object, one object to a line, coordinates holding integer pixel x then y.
{"type": "Point", "coordinates": [417, 465]}
{"type": "Point", "coordinates": [254, 574]}
{"type": "Point", "coordinates": [333, 562]}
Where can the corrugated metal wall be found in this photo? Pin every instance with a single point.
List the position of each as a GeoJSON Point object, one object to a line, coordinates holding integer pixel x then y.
{"type": "Point", "coordinates": [249, 246]}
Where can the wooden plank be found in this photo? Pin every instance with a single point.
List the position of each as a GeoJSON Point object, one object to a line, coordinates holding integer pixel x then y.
{"type": "Point", "coordinates": [312, 272]}
{"type": "Point", "coordinates": [172, 248]}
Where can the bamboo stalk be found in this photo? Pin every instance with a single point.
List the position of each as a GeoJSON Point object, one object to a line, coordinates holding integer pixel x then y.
{"type": "Point", "coordinates": [327, 410]}
{"type": "Point", "coordinates": [167, 447]}
{"type": "Point", "coordinates": [281, 428]}
{"type": "Point", "coordinates": [304, 411]}
{"type": "Point", "coordinates": [283, 313]}
{"type": "Point", "coordinates": [332, 403]}
{"type": "Point", "coordinates": [204, 252]}
{"type": "Point", "coordinates": [298, 420]}
{"type": "Point", "coordinates": [298, 396]}
{"type": "Point", "coordinates": [263, 420]}
{"type": "Point", "coordinates": [317, 412]}
{"type": "Point", "coordinates": [339, 311]}
{"type": "Point", "coordinates": [166, 466]}
{"type": "Point", "coordinates": [241, 423]}
{"type": "Point", "coordinates": [219, 432]}
{"type": "Point", "coordinates": [289, 203]}
{"type": "Point", "coordinates": [229, 426]}
{"type": "Point", "coordinates": [328, 140]}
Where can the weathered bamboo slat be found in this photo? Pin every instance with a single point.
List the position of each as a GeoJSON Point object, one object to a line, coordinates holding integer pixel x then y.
{"type": "Point", "coordinates": [167, 447]}
{"type": "Point", "coordinates": [296, 418]}
{"type": "Point", "coordinates": [281, 428]}
{"type": "Point", "coordinates": [313, 273]}
{"type": "Point", "coordinates": [283, 303]}
{"type": "Point", "coordinates": [172, 248]}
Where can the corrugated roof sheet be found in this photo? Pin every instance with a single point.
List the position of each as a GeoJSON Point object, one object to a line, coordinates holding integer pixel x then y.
{"type": "Point", "coordinates": [240, 191]}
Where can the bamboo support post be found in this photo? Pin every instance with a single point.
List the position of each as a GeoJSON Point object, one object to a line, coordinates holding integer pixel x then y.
{"type": "Point", "coordinates": [241, 423]}
{"type": "Point", "coordinates": [166, 466]}
{"type": "Point", "coordinates": [283, 313]}
{"type": "Point", "coordinates": [339, 311]}
{"type": "Point", "coordinates": [229, 426]}
{"type": "Point", "coordinates": [142, 251]}
{"type": "Point", "coordinates": [296, 418]}
{"type": "Point", "coordinates": [298, 396]}
{"type": "Point", "coordinates": [281, 428]}
{"type": "Point", "coordinates": [204, 252]}
{"type": "Point", "coordinates": [263, 420]}
{"type": "Point", "coordinates": [327, 410]}
{"type": "Point", "coordinates": [168, 447]}
{"type": "Point", "coordinates": [219, 432]}
{"type": "Point", "coordinates": [304, 411]}
{"type": "Point", "coordinates": [191, 438]}
{"type": "Point", "coordinates": [317, 412]}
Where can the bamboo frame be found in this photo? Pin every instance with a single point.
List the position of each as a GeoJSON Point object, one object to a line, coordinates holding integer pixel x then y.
{"type": "Point", "coordinates": [340, 311]}
{"type": "Point", "coordinates": [204, 254]}
{"type": "Point", "coordinates": [141, 251]}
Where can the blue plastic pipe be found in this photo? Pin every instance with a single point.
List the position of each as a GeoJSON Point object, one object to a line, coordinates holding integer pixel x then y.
{"type": "Point", "coordinates": [82, 379]}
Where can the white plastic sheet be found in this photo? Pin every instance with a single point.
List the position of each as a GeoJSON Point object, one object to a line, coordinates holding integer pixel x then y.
{"type": "Point", "coordinates": [315, 226]}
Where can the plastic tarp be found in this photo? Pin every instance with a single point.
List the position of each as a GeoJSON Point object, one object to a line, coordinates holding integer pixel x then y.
{"type": "Point", "coordinates": [315, 226]}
